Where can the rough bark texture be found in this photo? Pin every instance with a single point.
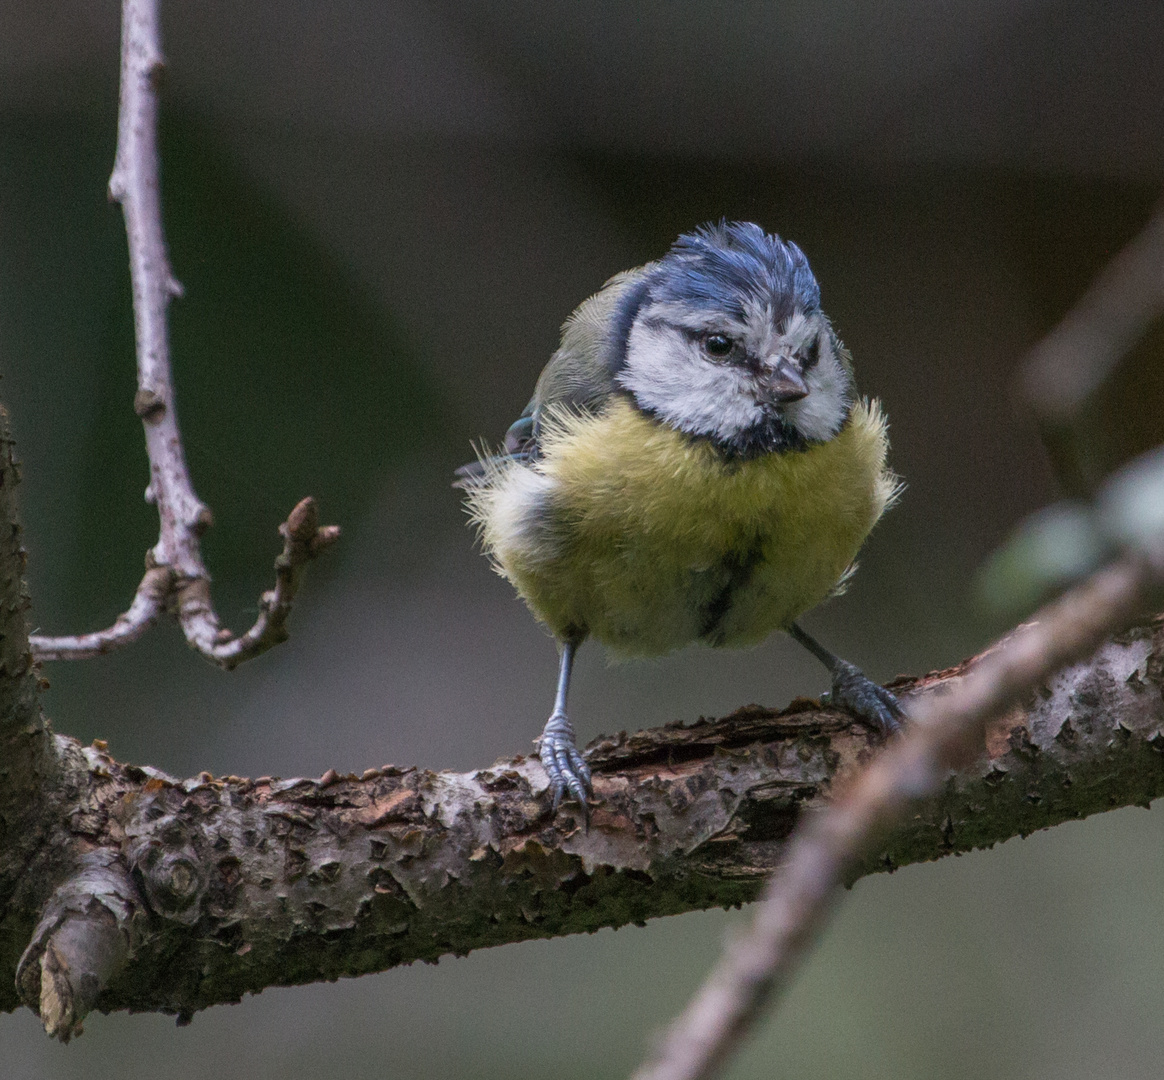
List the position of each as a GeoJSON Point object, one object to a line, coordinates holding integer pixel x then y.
{"type": "Point", "coordinates": [217, 887]}
{"type": "Point", "coordinates": [34, 838]}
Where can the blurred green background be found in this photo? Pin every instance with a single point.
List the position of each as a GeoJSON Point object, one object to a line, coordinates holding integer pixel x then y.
{"type": "Point", "coordinates": [381, 213]}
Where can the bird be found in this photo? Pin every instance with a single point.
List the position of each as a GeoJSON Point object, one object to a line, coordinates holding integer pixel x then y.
{"type": "Point", "coordinates": [695, 465]}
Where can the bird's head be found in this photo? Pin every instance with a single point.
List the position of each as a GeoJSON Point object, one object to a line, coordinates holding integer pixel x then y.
{"type": "Point", "coordinates": [724, 339]}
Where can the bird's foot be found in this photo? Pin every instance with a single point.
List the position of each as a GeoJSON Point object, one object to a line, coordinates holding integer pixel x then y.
{"type": "Point", "coordinates": [563, 761]}
{"type": "Point", "coordinates": [854, 691]}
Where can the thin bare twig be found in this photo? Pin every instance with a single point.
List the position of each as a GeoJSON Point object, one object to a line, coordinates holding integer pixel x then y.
{"type": "Point", "coordinates": [176, 577]}
{"type": "Point", "coordinates": [148, 603]}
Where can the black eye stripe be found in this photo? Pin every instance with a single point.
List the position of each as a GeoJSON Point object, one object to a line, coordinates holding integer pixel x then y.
{"type": "Point", "coordinates": [811, 354]}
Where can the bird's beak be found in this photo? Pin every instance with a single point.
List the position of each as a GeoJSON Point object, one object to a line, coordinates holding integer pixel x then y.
{"type": "Point", "coordinates": [784, 384]}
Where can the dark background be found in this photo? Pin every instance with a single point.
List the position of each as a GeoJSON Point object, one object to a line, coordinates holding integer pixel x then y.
{"type": "Point", "coordinates": [382, 212]}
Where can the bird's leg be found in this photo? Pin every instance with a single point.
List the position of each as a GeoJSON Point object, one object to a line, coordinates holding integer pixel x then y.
{"type": "Point", "coordinates": [853, 689]}
{"type": "Point", "coordinates": [561, 758]}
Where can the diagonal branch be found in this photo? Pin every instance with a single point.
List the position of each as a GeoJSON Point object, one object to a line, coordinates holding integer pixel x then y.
{"type": "Point", "coordinates": [1063, 370]}
{"type": "Point", "coordinates": [946, 733]}
{"type": "Point", "coordinates": [1074, 359]}
{"type": "Point", "coordinates": [176, 578]}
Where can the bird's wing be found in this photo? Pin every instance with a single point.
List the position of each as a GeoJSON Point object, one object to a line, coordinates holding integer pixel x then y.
{"type": "Point", "coordinates": [580, 375]}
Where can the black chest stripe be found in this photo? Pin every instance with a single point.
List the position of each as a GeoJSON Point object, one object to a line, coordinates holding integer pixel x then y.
{"type": "Point", "coordinates": [737, 570]}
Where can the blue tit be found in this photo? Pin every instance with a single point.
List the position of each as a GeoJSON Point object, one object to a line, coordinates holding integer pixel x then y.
{"type": "Point", "coordinates": [694, 465]}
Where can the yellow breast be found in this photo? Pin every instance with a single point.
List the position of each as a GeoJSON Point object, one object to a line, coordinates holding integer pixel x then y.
{"type": "Point", "coordinates": [647, 540]}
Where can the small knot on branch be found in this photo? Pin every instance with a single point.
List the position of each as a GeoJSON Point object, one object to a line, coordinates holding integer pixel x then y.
{"type": "Point", "coordinates": [156, 74]}
{"type": "Point", "coordinates": [149, 406]}
{"type": "Point", "coordinates": [203, 520]}
{"type": "Point", "coordinates": [192, 598]}
{"type": "Point", "coordinates": [174, 882]}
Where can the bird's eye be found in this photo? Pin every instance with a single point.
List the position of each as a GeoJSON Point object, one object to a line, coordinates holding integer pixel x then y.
{"type": "Point", "coordinates": [718, 344]}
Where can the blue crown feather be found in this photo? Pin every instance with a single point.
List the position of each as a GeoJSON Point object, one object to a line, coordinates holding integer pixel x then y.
{"type": "Point", "coordinates": [725, 265]}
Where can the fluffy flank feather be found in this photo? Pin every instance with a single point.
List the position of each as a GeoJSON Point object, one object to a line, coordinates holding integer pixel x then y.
{"type": "Point", "coordinates": [507, 507]}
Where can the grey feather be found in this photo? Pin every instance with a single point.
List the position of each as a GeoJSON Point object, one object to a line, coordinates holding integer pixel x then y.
{"type": "Point", "coordinates": [581, 374]}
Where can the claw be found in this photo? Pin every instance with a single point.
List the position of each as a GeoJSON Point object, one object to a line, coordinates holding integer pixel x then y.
{"type": "Point", "coordinates": [855, 691]}
{"type": "Point", "coordinates": [563, 762]}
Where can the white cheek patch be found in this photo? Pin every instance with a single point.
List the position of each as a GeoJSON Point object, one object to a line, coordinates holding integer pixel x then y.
{"type": "Point", "coordinates": [670, 378]}
{"type": "Point", "coordinates": [820, 415]}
